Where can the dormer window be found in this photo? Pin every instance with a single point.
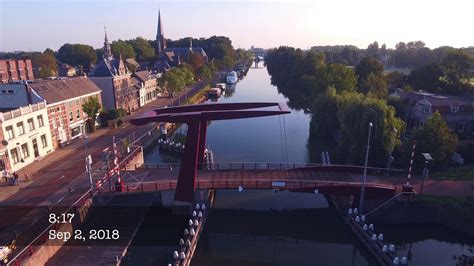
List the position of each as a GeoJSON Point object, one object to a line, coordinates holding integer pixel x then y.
{"type": "Point", "coordinates": [425, 109]}
{"type": "Point", "coordinates": [454, 109]}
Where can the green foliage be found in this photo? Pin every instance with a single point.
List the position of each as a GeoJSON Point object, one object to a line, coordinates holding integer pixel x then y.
{"type": "Point", "coordinates": [396, 79]}
{"type": "Point", "coordinates": [45, 63]}
{"type": "Point", "coordinates": [456, 67]}
{"type": "Point", "coordinates": [426, 78]}
{"type": "Point", "coordinates": [92, 107]}
{"type": "Point", "coordinates": [375, 85]}
{"type": "Point", "coordinates": [195, 60]}
{"type": "Point", "coordinates": [122, 48]}
{"type": "Point", "coordinates": [367, 66]}
{"type": "Point", "coordinates": [466, 149]}
{"type": "Point", "coordinates": [204, 72]}
{"type": "Point", "coordinates": [177, 79]}
{"type": "Point", "coordinates": [142, 48]}
{"type": "Point", "coordinates": [77, 55]}
{"type": "Point", "coordinates": [435, 138]}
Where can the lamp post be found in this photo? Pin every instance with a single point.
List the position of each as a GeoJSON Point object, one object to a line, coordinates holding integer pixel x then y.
{"type": "Point", "coordinates": [425, 174]}
{"type": "Point", "coordinates": [362, 188]}
{"type": "Point", "coordinates": [390, 157]}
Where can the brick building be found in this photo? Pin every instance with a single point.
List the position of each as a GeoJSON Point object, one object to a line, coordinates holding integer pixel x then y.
{"type": "Point", "coordinates": [65, 98]}
{"type": "Point", "coordinates": [15, 70]}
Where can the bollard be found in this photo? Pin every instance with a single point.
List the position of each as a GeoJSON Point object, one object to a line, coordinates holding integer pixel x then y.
{"type": "Point", "coordinates": [175, 255]}
{"type": "Point", "coordinates": [374, 237]}
{"type": "Point", "coordinates": [192, 232]}
{"type": "Point", "coordinates": [356, 211]}
{"type": "Point", "coordinates": [357, 219]}
{"type": "Point", "coordinates": [186, 231]}
{"type": "Point", "coordinates": [362, 218]}
{"type": "Point", "coordinates": [200, 214]}
{"type": "Point", "coordinates": [188, 243]}
{"type": "Point", "coordinates": [203, 207]}
{"type": "Point", "coordinates": [396, 261]}
{"type": "Point", "coordinates": [182, 256]}
{"type": "Point", "coordinates": [391, 248]}
{"type": "Point", "coordinates": [181, 242]}
{"type": "Point", "coordinates": [371, 227]}
{"type": "Point", "coordinates": [350, 211]}
{"type": "Point", "coordinates": [196, 223]}
{"type": "Point", "coordinates": [384, 248]}
{"type": "Point", "coordinates": [190, 222]}
{"type": "Point", "coordinates": [198, 206]}
{"type": "Point", "coordinates": [194, 214]}
{"type": "Point", "coordinates": [365, 227]}
{"type": "Point", "coordinates": [380, 237]}
{"type": "Point", "coordinates": [404, 261]}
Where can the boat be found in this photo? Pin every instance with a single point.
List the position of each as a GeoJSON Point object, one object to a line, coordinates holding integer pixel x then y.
{"type": "Point", "coordinates": [221, 86]}
{"type": "Point", "coordinates": [214, 93]}
{"type": "Point", "coordinates": [232, 77]}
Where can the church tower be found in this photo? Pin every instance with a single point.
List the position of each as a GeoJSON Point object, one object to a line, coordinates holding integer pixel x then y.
{"type": "Point", "coordinates": [160, 38]}
{"type": "Point", "coordinates": [107, 50]}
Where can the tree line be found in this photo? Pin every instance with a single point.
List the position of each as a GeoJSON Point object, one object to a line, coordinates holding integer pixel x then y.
{"type": "Point", "coordinates": [343, 100]}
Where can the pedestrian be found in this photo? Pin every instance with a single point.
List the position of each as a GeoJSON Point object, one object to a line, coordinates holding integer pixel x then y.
{"type": "Point", "coordinates": [5, 175]}
{"type": "Point", "coordinates": [16, 180]}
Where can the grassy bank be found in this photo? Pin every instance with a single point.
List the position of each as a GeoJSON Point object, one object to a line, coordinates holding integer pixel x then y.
{"type": "Point", "coordinates": [465, 172]}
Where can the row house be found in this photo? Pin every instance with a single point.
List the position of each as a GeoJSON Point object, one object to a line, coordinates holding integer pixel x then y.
{"type": "Point", "coordinates": [419, 106]}
{"type": "Point", "coordinates": [147, 86]}
{"type": "Point", "coordinates": [65, 98]}
{"type": "Point", "coordinates": [12, 70]}
{"type": "Point", "coordinates": [112, 76]}
{"type": "Point", "coordinates": [25, 134]}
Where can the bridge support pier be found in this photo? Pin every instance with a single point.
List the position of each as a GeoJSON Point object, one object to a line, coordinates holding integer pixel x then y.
{"type": "Point", "coordinates": [188, 170]}
{"type": "Point", "coordinates": [202, 143]}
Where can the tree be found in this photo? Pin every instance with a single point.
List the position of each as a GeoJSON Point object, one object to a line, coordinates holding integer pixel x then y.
{"type": "Point", "coordinates": [142, 48]}
{"type": "Point", "coordinates": [375, 85]}
{"type": "Point", "coordinates": [122, 48]}
{"type": "Point", "coordinates": [366, 66]}
{"type": "Point", "coordinates": [426, 78]}
{"type": "Point", "coordinates": [77, 55]}
{"type": "Point", "coordinates": [92, 108]}
{"type": "Point", "coordinates": [373, 50]}
{"type": "Point", "coordinates": [195, 60]}
{"type": "Point", "coordinates": [204, 72]}
{"type": "Point", "coordinates": [456, 68]}
{"type": "Point", "coordinates": [466, 149]}
{"type": "Point", "coordinates": [396, 79]}
{"type": "Point", "coordinates": [45, 63]}
{"type": "Point", "coordinates": [437, 139]}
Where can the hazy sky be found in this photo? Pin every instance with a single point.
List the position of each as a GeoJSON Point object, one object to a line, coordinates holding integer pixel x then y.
{"type": "Point", "coordinates": [37, 25]}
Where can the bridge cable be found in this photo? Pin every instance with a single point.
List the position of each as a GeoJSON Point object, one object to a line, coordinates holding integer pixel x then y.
{"type": "Point", "coordinates": [286, 142]}
{"type": "Point", "coordinates": [281, 140]}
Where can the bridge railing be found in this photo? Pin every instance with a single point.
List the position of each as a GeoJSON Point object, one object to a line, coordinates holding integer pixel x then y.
{"type": "Point", "coordinates": [273, 166]}
{"type": "Point", "coordinates": [234, 183]}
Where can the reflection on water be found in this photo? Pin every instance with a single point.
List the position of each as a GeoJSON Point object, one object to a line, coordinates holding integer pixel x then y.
{"type": "Point", "coordinates": [256, 139]}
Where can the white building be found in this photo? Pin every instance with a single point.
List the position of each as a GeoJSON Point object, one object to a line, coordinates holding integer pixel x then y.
{"type": "Point", "coordinates": [147, 86]}
{"type": "Point", "coordinates": [26, 135]}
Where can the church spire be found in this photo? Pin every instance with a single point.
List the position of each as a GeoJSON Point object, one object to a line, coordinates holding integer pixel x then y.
{"type": "Point", "coordinates": [107, 50]}
{"type": "Point", "coordinates": [160, 37]}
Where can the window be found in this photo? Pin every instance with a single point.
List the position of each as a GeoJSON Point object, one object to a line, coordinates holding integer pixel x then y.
{"type": "Point", "coordinates": [25, 151]}
{"type": "Point", "coordinates": [14, 155]}
{"type": "Point", "coordinates": [10, 91]}
{"type": "Point", "coordinates": [10, 133]}
{"type": "Point", "coordinates": [78, 114]}
{"type": "Point", "coordinates": [21, 129]}
{"type": "Point", "coordinates": [460, 127]}
{"type": "Point", "coordinates": [425, 109]}
{"type": "Point", "coordinates": [44, 142]}
{"type": "Point", "coordinates": [40, 121]}
{"type": "Point", "coordinates": [71, 117]}
{"type": "Point", "coordinates": [31, 124]}
{"type": "Point", "coordinates": [454, 109]}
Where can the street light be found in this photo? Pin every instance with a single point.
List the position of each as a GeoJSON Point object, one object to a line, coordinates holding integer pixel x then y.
{"type": "Point", "coordinates": [390, 157]}
{"type": "Point", "coordinates": [425, 174]}
{"type": "Point", "coordinates": [362, 188]}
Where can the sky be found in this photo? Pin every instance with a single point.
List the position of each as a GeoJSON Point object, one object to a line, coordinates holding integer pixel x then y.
{"type": "Point", "coordinates": [34, 25]}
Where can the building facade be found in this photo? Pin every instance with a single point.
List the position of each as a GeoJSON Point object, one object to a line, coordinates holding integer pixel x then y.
{"type": "Point", "coordinates": [65, 98]}
{"type": "Point", "coordinates": [26, 135]}
{"type": "Point", "coordinates": [147, 86]}
{"type": "Point", "coordinates": [15, 70]}
{"type": "Point", "coordinates": [114, 79]}
{"type": "Point", "coordinates": [420, 106]}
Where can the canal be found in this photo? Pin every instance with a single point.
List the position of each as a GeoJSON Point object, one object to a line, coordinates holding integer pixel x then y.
{"type": "Point", "coordinates": [267, 228]}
